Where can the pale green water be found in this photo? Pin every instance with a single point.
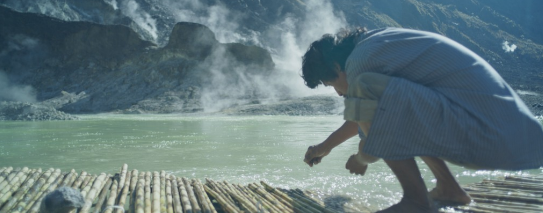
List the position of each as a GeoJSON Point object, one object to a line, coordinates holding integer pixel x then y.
{"type": "Point", "coordinates": [237, 149]}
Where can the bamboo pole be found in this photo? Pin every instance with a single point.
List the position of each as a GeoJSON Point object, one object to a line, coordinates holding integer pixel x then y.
{"type": "Point", "coordinates": [103, 195]}
{"type": "Point", "coordinates": [260, 201]}
{"type": "Point", "coordinates": [192, 198]}
{"type": "Point", "coordinates": [163, 207]}
{"type": "Point", "coordinates": [206, 198]}
{"type": "Point", "coordinates": [162, 177]}
{"type": "Point", "coordinates": [508, 197]}
{"type": "Point", "coordinates": [91, 195]}
{"type": "Point", "coordinates": [201, 196]}
{"type": "Point", "coordinates": [32, 192]}
{"type": "Point", "coordinates": [87, 184]}
{"type": "Point", "coordinates": [123, 194]}
{"type": "Point", "coordinates": [52, 183]}
{"type": "Point", "coordinates": [284, 205]}
{"type": "Point", "coordinates": [112, 197]}
{"type": "Point", "coordinates": [48, 176]}
{"type": "Point", "coordinates": [13, 184]}
{"type": "Point", "coordinates": [69, 179]}
{"type": "Point", "coordinates": [169, 197]}
{"type": "Point", "coordinates": [124, 170]}
{"type": "Point", "coordinates": [8, 179]}
{"type": "Point", "coordinates": [509, 204]}
{"type": "Point", "coordinates": [21, 191]}
{"type": "Point", "coordinates": [139, 204]}
{"type": "Point", "coordinates": [525, 179]}
{"type": "Point", "coordinates": [77, 183]}
{"type": "Point", "coordinates": [134, 180]}
{"type": "Point", "coordinates": [147, 192]}
{"type": "Point", "coordinates": [187, 207]}
{"type": "Point", "coordinates": [244, 203]}
{"type": "Point", "coordinates": [226, 205]}
{"type": "Point", "coordinates": [156, 192]}
{"type": "Point", "coordinates": [309, 204]}
{"type": "Point", "coordinates": [4, 174]}
{"type": "Point", "coordinates": [214, 185]}
{"type": "Point", "coordinates": [176, 198]}
{"type": "Point", "coordinates": [133, 190]}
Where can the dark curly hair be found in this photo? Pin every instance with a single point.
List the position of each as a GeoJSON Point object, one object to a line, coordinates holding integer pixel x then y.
{"type": "Point", "coordinates": [319, 62]}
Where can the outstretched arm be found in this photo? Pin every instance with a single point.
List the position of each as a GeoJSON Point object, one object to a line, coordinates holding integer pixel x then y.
{"type": "Point", "coordinates": [315, 153]}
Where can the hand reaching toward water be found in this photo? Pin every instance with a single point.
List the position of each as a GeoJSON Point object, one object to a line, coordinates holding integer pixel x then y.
{"type": "Point", "coordinates": [355, 166]}
{"type": "Point", "coordinates": [315, 153]}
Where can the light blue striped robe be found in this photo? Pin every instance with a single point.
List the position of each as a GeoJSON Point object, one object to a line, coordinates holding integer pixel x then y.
{"type": "Point", "coordinates": [443, 101]}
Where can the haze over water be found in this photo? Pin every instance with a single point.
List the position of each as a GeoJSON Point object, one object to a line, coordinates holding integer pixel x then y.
{"type": "Point", "coordinates": [238, 149]}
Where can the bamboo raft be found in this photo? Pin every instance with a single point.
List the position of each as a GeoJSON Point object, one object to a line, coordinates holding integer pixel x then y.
{"type": "Point", "coordinates": [22, 189]}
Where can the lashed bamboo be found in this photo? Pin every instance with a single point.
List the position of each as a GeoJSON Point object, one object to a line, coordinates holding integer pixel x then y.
{"type": "Point", "coordinates": [69, 179]}
{"type": "Point", "coordinates": [525, 179]}
{"type": "Point", "coordinates": [112, 197]}
{"type": "Point", "coordinates": [133, 191]}
{"type": "Point", "coordinates": [266, 203]}
{"type": "Point", "coordinates": [206, 198]}
{"type": "Point", "coordinates": [87, 184]}
{"type": "Point", "coordinates": [169, 197]}
{"type": "Point", "coordinates": [284, 206]}
{"type": "Point", "coordinates": [298, 196]}
{"type": "Point", "coordinates": [307, 203]}
{"type": "Point", "coordinates": [226, 205]}
{"type": "Point", "coordinates": [196, 208]}
{"type": "Point", "coordinates": [21, 191]}
{"type": "Point", "coordinates": [46, 176]}
{"type": "Point", "coordinates": [201, 196]}
{"type": "Point", "coordinates": [13, 184]}
{"type": "Point", "coordinates": [187, 207]}
{"type": "Point", "coordinates": [91, 195]}
{"type": "Point", "coordinates": [510, 205]}
{"type": "Point", "coordinates": [504, 190]}
{"type": "Point", "coordinates": [176, 198]}
{"type": "Point", "coordinates": [124, 193]}
{"type": "Point", "coordinates": [156, 193]}
{"type": "Point", "coordinates": [515, 184]}
{"type": "Point", "coordinates": [243, 202]}
{"type": "Point", "coordinates": [214, 185]}
{"type": "Point", "coordinates": [8, 179]}
{"type": "Point", "coordinates": [260, 203]}
{"type": "Point", "coordinates": [122, 178]}
{"type": "Point", "coordinates": [79, 180]}
{"type": "Point", "coordinates": [33, 191]}
{"type": "Point", "coordinates": [508, 197]}
{"type": "Point", "coordinates": [103, 195]}
{"type": "Point", "coordinates": [147, 196]}
{"type": "Point", "coordinates": [139, 204]}
{"type": "Point", "coordinates": [163, 207]}
{"type": "Point", "coordinates": [4, 174]}
{"type": "Point", "coordinates": [134, 180]}
{"type": "Point", "coordinates": [223, 194]}
{"type": "Point", "coordinates": [52, 183]}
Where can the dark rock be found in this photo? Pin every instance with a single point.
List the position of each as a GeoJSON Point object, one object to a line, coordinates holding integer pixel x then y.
{"type": "Point", "coordinates": [312, 105]}
{"type": "Point", "coordinates": [62, 200]}
{"type": "Point", "coordinates": [18, 111]}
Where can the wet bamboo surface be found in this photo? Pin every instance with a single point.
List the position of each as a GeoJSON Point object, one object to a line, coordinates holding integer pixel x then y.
{"type": "Point", "coordinates": [21, 190]}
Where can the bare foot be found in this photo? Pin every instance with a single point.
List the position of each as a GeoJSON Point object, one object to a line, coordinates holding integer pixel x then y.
{"type": "Point", "coordinates": [456, 196]}
{"type": "Point", "coordinates": [355, 166]}
{"type": "Point", "coordinates": [409, 206]}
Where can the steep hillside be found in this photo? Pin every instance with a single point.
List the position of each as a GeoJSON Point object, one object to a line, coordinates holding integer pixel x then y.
{"type": "Point", "coordinates": [506, 33]}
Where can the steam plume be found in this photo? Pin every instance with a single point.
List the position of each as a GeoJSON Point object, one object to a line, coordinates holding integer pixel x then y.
{"type": "Point", "coordinates": [508, 48]}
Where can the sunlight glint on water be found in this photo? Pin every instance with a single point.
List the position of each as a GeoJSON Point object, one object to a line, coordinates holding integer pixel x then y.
{"type": "Point", "coordinates": [236, 149]}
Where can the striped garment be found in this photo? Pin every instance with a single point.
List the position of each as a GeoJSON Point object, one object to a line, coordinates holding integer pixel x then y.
{"type": "Point", "coordinates": [443, 100]}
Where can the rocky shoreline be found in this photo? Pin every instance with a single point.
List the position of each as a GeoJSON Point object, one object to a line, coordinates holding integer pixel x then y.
{"type": "Point", "coordinates": [306, 106]}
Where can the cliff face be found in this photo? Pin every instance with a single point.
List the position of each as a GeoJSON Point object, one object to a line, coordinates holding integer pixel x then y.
{"type": "Point", "coordinates": [113, 67]}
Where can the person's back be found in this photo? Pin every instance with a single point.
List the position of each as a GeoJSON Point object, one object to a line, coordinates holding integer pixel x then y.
{"type": "Point", "coordinates": [482, 107]}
